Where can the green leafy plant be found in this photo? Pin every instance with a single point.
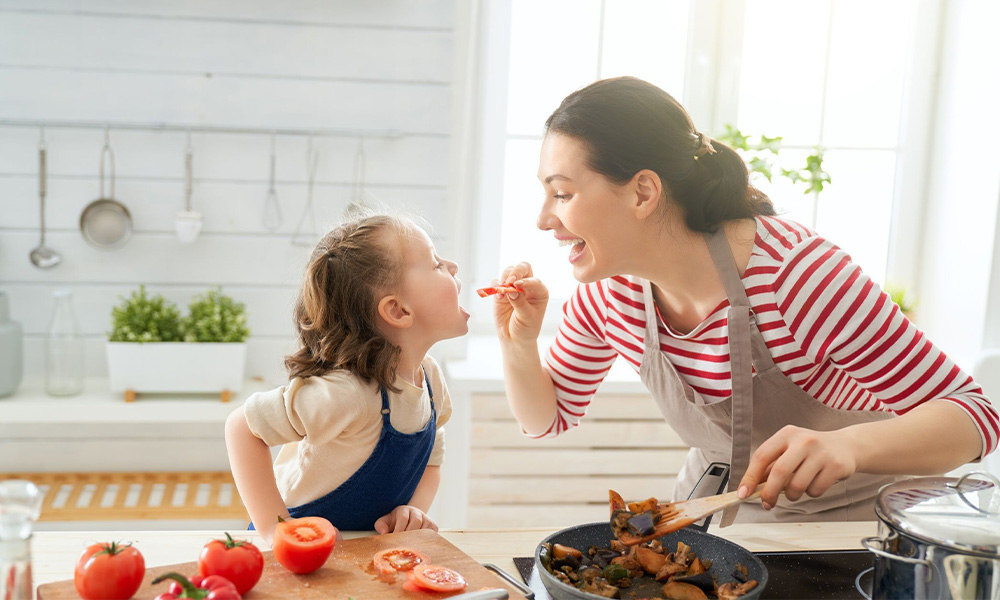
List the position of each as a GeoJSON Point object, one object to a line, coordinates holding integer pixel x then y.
{"type": "Point", "coordinates": [215, 317]}
{"type": "Point", "coordinates": [761, 157]}
{"type": "Point", "coordinates": [901, 297]}
{"type": "Point", "coordinates": [812, 175]}
{"type": "Point", "coordinates": [145, 318]}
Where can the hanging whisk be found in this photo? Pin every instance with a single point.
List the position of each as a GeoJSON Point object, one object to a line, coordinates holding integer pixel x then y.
{"type": "Point", "coordinates": [307, 221]}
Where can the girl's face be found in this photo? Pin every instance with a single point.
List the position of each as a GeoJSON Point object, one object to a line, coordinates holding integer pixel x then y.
{"type": "Point", "coordinates": [430, 289]}
{"type": "Point", "coordinates": [584, 210]}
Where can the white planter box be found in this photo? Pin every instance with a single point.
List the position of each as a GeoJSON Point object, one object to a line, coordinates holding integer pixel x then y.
{"type": "Point", "coordinates": [176, 367]}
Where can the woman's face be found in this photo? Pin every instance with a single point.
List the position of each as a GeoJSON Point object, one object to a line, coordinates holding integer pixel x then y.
{"type": "Point", "coordinates": [584, 210]}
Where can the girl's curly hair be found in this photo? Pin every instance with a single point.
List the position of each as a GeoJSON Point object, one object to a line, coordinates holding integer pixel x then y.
{"type": "Point", "coordinates": [336, 317]}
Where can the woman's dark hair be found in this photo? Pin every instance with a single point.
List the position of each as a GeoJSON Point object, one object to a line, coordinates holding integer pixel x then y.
{"type": "Point", "coordinates": [628, 125]}
{"type": "Point", "coordinates": [336, 317]}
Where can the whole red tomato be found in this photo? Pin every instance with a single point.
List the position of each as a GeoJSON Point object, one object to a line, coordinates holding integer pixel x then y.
{"type": "Point", "coordinates": [109, 571]}
{"type": "Point", "coordinates": [303, 545]}
{"type": "Point", "coordinates": [238, 561]}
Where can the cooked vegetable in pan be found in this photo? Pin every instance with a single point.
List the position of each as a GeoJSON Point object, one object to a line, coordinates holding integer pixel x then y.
{"type": "Point", "coordinates": [608, 571]}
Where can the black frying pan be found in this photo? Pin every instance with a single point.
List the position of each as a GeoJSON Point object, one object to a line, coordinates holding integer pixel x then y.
{"type": "Point", "coordinates": [724, 555]}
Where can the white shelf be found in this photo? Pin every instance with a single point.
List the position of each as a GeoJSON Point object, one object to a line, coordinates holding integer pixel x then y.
{"type": "Point", "coordinates": [98, 431]}
{"type": "Point", "coordinates": [97, 405]}
{"type": "Point", "coordinates": [482, 370]}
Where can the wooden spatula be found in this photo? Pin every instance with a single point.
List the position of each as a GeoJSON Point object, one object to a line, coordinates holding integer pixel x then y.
{"type": "Point", "coordinates": [678, 515]}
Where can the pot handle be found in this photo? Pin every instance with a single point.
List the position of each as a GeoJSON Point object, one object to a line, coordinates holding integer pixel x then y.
{"type": "Point", "coordinates": [869, 545]}
{"type": "Point", "coordinates": [961, 493]}
{"type": "Point", "coordinates": [527, 591]}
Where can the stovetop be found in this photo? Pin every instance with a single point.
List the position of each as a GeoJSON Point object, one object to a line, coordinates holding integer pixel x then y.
{"type": "Point", "coordinates": [819, 575]}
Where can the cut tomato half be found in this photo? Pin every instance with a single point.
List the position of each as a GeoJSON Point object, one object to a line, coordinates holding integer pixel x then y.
{"type": "Point", "coordinates": [438, 579]}
{"type": "Point", "coordinates": [303, 545]}
{"type": "Point", "coordinates": [393, 560]}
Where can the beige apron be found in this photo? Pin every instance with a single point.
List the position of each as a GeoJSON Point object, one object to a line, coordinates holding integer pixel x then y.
{"type": "Point", "coordinates": [729, 430]}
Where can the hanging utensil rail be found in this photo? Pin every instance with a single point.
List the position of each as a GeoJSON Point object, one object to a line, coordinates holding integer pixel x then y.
{"type": "Point", "coordinates": [125, 125]}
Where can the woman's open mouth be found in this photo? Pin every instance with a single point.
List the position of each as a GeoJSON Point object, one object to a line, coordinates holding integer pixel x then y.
{"type": "Point", "coordinates": [577, 250]}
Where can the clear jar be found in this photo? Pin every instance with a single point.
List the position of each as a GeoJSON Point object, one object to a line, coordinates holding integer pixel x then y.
{"type": "Point", "coordinates": [20, 506]}
{"type": "Point", "coordinates": [64, 354]}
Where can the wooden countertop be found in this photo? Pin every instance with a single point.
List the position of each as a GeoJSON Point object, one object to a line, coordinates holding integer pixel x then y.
{"type": "Point", "coordinates": [55, 553]}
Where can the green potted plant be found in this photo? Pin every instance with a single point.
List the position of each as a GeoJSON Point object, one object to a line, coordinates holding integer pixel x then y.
{"type": "Point", "coordinates": [152, 348]}
{"type": "Point", "coordinates": [761, 157]}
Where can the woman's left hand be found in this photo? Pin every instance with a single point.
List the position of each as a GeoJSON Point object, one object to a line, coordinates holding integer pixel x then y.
{"type": "Point", "coordinates": [404, 518]}
{"type": "Point", "coordinates": [798, 461]}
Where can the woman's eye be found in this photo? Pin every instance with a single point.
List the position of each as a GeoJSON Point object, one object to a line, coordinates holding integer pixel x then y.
{"type": "Point", "coordinates": [562, 197]}
{"type": "Point", "coordinates": [439, 265]}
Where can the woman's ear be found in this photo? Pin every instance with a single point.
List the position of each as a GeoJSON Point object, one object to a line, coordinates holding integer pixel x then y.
{"type": "Point", "coordinates": [394, 312]}
{"type": "Point", "coordinates": [648, 191]}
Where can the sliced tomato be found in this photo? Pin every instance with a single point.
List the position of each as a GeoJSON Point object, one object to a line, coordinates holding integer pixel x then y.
{"type": "Point", "coordinates": [489, 291]}
{"type": "Point", "coordinates": [399, 559]}
{"type": "Point", "coordinates": [438, 579]}
{"type": "Point", "coordinates": [411, 586]}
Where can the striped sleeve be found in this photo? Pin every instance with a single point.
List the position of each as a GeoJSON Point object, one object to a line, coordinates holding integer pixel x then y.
{"type": "Point", "coordinates": [579, 358]}
{"type": "Point", "coordinates": [837, 314]}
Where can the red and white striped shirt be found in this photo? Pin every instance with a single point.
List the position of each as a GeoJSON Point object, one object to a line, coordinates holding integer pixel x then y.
{"type": "Point", "coordinates": [829, 328]}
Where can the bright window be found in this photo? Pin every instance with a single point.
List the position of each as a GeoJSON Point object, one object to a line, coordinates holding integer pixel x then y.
{"type": "Point", "coordinates": [805, 70]}
{"type": "Point", "coordinates": [836, 92]}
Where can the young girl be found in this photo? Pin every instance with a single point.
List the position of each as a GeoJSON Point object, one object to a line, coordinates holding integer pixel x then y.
{"type": "Point", "coordinates": [361, 418]}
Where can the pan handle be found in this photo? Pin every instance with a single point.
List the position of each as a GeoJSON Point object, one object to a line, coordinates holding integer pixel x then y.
{"type": "Point", "coordinates": [528, 593]}
{"type": "Point", "coordinates": [107, 152]}
{"type": "Point", "coordinates": [711, 483]}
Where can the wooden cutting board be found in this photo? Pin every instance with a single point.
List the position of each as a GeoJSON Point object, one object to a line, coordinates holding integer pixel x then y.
{"type": "Point", "coordinates": [347, 574]}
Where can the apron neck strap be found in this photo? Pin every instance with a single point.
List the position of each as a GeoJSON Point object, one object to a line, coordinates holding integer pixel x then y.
{"type": "Point", "coordinates": [725, 265]}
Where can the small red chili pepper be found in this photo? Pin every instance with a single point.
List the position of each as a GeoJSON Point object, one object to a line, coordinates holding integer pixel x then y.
{"type": "Point", "coordinates": [506, 289]}
{"type": "Point", "coordinates": [213, 587]}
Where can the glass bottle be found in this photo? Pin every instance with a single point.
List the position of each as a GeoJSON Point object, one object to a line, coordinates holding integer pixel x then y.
{"type": "Point", "coordinates": [11, 364]}
{"type": "Point", "coordinates": [64, 362]}
{"type": "Point", "coordinates": [20, 505]}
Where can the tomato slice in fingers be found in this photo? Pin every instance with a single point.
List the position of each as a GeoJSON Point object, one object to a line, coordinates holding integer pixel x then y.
{"type": "Point", "coordinates": [399, 559]}
{"type": "Point", "coordinates": [438, 579]}
{"type": "Point", "coordinates": [489, 291]}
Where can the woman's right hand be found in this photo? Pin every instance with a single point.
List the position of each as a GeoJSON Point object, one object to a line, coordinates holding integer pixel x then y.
{"type": "Point", "coordinates": [518, 316]}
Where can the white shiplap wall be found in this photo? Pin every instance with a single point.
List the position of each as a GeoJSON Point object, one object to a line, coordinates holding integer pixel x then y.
{"type": "Point", "coordinates": [343, 64]}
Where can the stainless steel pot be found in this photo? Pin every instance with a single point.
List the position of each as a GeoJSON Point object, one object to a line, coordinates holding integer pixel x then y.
{"type": "Point", "coordinates": [938, 537]}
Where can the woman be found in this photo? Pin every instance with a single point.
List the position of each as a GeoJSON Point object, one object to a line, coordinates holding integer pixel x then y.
{"type": "Point", "coordinates": [764, 346]}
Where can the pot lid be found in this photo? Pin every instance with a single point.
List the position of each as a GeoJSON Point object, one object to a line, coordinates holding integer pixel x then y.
{"type": "Point", "coordinates": [960, 513]}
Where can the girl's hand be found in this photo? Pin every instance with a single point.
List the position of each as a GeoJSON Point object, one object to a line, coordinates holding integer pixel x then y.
{"type": "Point", "coordinates": [404, 518]}
{"type": "Point", "coordinates": [518, 316]}
{"type": "Point", "coordinates": [799, 461]}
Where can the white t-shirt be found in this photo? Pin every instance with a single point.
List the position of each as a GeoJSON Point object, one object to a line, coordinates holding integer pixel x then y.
{"type": "Point", "coordinates": [330, 425]}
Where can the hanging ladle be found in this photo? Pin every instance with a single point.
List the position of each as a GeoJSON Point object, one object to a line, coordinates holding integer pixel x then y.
{"type": "Point", "coordinates": [43, 257]}
{"type": "Point", "coordinates": [272, 210]}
